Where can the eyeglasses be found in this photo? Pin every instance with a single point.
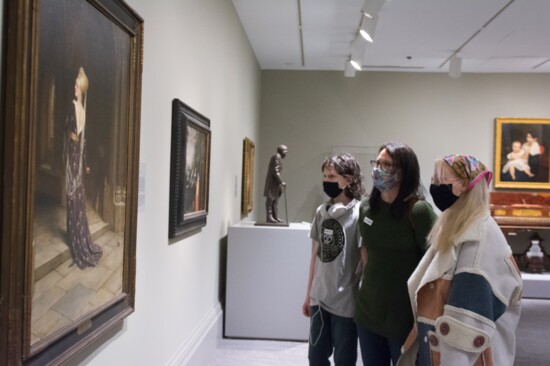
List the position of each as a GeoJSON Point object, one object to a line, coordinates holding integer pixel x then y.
{"type": "Point", "coordinates": [384, 165]}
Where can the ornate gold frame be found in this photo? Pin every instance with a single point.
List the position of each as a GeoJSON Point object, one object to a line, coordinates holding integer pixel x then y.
{"type": "Point", "coordinates": [46, 42]}
{"type": "Point", "coordinates": [508, 130]}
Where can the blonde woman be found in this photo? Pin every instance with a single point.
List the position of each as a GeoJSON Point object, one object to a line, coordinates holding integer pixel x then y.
{"type": "Point", "coordinates": [84, 252]}
{"type": "Point", "coordinates": [466, 291]}
{"type": "Point", "coordinates": [394, 222]}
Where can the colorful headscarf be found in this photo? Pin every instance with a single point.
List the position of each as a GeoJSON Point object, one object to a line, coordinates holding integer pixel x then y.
{"type": "Point", "coordinates": [468, 167]}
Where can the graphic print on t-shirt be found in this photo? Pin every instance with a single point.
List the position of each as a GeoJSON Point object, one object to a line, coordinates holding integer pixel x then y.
{"type": "Point", "coordinates": [332, 240]}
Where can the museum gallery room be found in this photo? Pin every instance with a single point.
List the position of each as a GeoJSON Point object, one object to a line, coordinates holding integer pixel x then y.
{"type": "Point", "coordinates": [162, 165]}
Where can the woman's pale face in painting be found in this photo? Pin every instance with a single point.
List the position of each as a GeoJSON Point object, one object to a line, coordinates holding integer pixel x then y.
{"type": "Point", "coordinates": [77, 91]}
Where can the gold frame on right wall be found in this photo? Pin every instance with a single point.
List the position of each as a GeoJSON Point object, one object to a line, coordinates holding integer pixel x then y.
{"type": "Point", "coordinates": [522, 151]}
{"type": "Point", "coordinates": [248, 177]}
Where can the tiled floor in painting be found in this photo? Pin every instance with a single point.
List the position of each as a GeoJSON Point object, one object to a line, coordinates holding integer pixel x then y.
{"type": "Point", "coordinates": [62, 292]}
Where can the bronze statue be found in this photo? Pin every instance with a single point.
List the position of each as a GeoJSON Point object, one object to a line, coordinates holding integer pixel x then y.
{"type": "Point", "coordinates": [274, 184]}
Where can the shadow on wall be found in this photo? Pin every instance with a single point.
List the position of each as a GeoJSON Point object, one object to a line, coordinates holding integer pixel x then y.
{"type": "Point", "coordinates": [311, 201]}
{"type": "Point", "coordinates": [307, 178]}
{"type": "Point", "coordinates": [223, 270]}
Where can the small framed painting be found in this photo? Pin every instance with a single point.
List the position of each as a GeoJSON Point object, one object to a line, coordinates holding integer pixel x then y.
{"type": "Point", "coordinates": [190, 169]}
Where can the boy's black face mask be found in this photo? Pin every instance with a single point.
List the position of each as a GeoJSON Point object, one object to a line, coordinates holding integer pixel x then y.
{"type": "Point", "coordinates": [331, 189]}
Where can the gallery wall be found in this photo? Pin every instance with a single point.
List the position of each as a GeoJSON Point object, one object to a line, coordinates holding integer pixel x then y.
{"type": "Point", "coordinates": [315, 113]}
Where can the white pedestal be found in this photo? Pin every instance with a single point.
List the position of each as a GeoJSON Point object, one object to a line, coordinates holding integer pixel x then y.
{"type": "Point", "coordinates": [267, 272]}
{"type": "Point", "coordinates": [536, 285]}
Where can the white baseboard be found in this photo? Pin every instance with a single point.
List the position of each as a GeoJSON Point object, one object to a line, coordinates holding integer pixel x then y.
{"type": "Point", "coordinates": [199, 348]}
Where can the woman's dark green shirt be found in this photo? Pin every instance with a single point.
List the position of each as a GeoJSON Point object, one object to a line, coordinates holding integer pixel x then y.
{"type": "Point", "coordinates": [394, 246]}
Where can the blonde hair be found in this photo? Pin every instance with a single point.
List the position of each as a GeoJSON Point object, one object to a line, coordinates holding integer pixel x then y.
{"type": "Point", "coordinates": [82, 80]}
{"type": "Point", "coordinates": [471, 206]}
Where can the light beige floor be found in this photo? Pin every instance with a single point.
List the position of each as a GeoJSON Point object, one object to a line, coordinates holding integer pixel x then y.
{"type": "Point", "coordinates": [532, 345]}
{"type": "Point", "coordinates": [241, 352]}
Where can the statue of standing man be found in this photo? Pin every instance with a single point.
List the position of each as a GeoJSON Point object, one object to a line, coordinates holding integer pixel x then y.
{"type": "Point", "coordinates": [274, 184]}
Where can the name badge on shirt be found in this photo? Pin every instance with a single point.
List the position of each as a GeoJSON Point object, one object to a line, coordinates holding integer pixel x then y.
{"type": "Point", "coordinates": [367, 221]}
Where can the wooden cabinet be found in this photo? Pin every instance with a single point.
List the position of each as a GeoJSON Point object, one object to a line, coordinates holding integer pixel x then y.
{"type": "Point", "coordinates": [518, 212]}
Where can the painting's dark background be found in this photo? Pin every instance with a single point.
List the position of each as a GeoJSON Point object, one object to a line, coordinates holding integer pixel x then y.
{"type": "Point", "coordinates": [74, 34]}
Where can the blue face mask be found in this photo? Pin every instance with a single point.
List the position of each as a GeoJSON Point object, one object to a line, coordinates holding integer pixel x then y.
{"type": "Point", "coordinates": [383, 180]}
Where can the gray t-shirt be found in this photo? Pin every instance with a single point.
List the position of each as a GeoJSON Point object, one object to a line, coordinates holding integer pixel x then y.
{"type": "Point", "coordinates": [336, 277]}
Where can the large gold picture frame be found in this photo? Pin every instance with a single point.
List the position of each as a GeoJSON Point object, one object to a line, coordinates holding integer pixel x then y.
{"type": "Point", "coordinates": [247, 197]}
{"type": "Point", "coordinates": [70, 145]}
{"type": "Point", "coordinates": [522, 151]}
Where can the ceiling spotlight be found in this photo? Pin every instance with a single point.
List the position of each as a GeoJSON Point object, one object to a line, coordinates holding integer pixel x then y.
{"type": "Point", "coordinates": [349, 70]}
{"type": "Point", "coordinates": [357, 50]}
{"type": "Point", "coordinates": [356, 64]}
{"type": "Point", "coordinates": [455, 66]}
{"type": "Point", "coordinates": [371, 8]}
{"type": "Point", "coordinates": [367, 28]}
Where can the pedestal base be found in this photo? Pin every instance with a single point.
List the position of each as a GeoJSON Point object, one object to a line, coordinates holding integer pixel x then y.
{"type": "Point", "coordinates": [267, 272]}
{"type": "Point", "coordinates": [265, 223]}
{"type": "Point", "coordinates": [536, 285]}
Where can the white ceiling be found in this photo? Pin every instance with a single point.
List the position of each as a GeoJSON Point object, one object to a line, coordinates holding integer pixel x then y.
{"type": "Point", "coordinates": [411, 35]}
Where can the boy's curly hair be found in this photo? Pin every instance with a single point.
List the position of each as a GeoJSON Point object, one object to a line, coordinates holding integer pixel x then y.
{"type": "Point", "coordinates": [346, 165]}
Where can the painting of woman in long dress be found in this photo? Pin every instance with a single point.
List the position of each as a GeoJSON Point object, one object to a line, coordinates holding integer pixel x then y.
{"type": "Point", "coordinates": [84, 252]}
